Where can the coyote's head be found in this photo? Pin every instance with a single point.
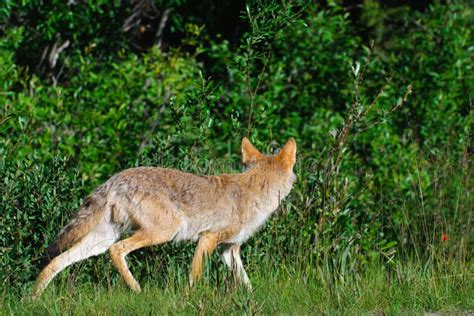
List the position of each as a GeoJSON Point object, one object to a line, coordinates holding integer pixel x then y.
{"type": "Point", "coordinates": [281, 162]}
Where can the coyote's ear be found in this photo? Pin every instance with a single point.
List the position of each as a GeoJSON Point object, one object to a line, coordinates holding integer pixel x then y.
{"type": "Point", "coordinates": [287, 155]}
{"type": "Point", "coordinates": [249, 153]}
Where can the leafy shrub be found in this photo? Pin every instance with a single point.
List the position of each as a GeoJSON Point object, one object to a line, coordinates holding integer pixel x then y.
{"type": "Point", "coordinates": [36, 199]}
{"type": "Point", "coordinates": [383, 165]}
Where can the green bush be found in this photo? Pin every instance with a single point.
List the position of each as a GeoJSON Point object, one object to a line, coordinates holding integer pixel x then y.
{"type": "Point", "coordinates": [381, 176]}
{"type": "Point", "coordinates": [37, 198]}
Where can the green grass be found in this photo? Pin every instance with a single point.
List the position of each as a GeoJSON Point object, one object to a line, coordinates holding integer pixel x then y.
{"type": "Point", "coordinates": [408, 288]}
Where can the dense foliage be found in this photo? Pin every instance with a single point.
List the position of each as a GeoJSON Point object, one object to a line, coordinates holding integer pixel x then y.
{"type": "Point", "coordinates": [383, 128]}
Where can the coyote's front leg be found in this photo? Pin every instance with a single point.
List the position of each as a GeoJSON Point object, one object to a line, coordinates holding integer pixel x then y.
{"type": "Point", "coordinates": [231, 257]}
{"type": "Point", "coordinates": [206, 245]}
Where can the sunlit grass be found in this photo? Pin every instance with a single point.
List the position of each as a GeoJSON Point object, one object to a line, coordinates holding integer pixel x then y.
{"type": "Point", "coordinates": [408, 287]}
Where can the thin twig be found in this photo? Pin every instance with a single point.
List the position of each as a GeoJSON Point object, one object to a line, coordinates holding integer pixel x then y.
{"type": "Point", "coordinates": [159, 32]}
{"type": "Point", "coordinates": [257, 86]}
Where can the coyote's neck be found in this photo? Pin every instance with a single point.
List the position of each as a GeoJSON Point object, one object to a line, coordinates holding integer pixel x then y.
{"type": "Point", "coordinates": [264, 195]}
{"type": "Point", "coordinates": [267, 190]}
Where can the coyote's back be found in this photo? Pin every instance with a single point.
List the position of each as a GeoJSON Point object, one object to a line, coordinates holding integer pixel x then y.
{"type": "Point", "coordinates": [163, 205]}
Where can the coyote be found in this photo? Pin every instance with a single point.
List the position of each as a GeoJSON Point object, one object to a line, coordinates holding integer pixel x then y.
{"type": "Point", "coordinates": [164, 205]}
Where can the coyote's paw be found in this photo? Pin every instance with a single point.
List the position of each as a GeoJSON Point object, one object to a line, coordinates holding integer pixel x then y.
{"type": "Point", "coordinates": [135, 287]}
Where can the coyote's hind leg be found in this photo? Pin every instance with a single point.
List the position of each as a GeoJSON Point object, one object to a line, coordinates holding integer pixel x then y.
{"type": "Point", "coordinates": [93, 244]}
{"type": "Point", "coordinates": [140, 239]}
{"type": "Point", "coordinates": [157, 222]}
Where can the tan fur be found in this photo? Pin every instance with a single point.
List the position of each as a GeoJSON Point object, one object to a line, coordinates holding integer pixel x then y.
{"type": "Point", "coordinates": [87, 217]}
{"type": "Point", "coordinates": [170, 205]}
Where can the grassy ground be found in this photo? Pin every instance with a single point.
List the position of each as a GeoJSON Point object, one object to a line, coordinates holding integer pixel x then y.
{"type": "Point", "coordinates": [408, 288]}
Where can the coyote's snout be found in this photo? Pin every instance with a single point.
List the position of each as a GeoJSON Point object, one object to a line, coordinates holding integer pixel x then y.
{"type": "Point", "coordinates": [164, 205]}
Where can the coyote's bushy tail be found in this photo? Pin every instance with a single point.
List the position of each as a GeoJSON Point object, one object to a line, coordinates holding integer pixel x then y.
{"type": "Point", "coordinates": [89, 214]}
